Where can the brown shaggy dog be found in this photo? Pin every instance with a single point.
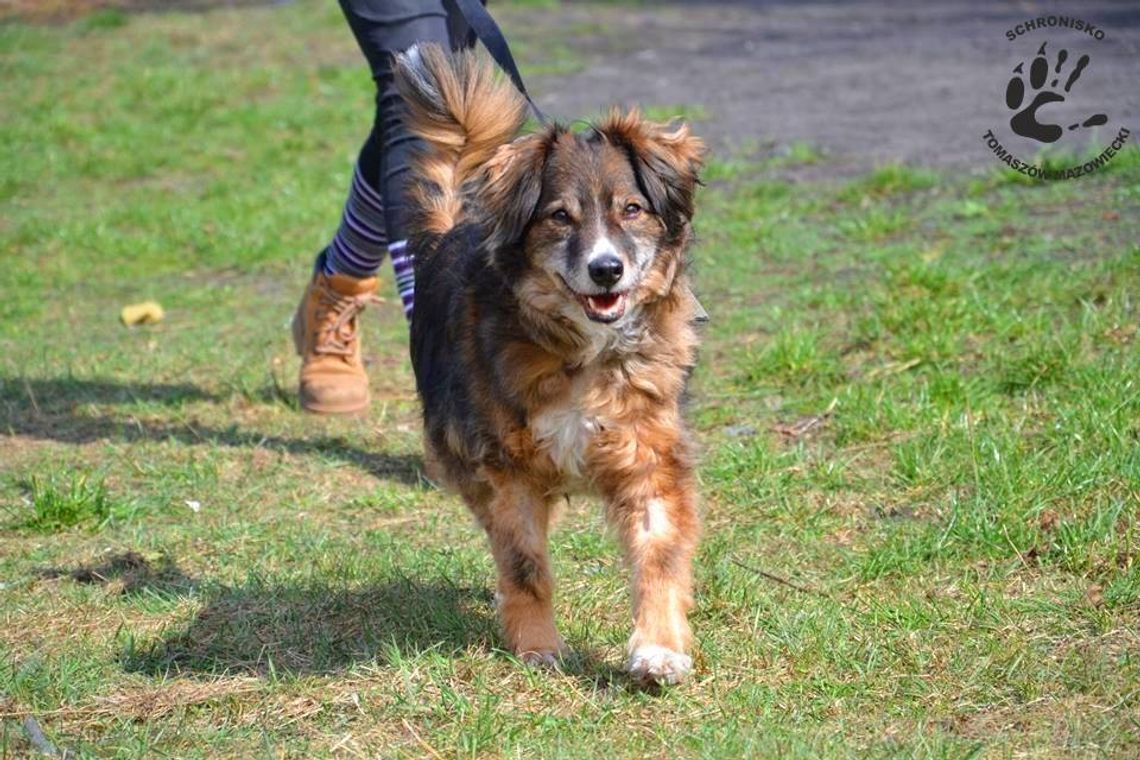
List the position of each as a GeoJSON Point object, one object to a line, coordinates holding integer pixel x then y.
{"type": "Point", "coordinates": [552, 339]}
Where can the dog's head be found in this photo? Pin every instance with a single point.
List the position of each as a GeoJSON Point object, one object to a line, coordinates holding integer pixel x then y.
{"type": "Point", "coordinates": [593, 225]}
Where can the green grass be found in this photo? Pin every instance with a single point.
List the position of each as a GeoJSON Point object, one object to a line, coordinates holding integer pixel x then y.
{"type": "Point", "coordinates": [50, 506]}
{"type": "Point", "coordinates": [917, 403]}
{"type": "Point", "coordinates": [667, 113]}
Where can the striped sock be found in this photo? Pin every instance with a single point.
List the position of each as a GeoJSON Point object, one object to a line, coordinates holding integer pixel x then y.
{"type": "Point", "coordinates": [359, 244]}
{"type": "Point", "coordinates": [403, 261]}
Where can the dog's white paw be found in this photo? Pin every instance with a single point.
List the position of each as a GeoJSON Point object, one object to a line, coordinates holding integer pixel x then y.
{"type": "Point", "coordinates": [655, 664]}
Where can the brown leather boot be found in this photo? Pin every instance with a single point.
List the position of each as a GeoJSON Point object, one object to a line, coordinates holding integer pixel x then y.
{"type": "Point", "coordinates": [325, 333]}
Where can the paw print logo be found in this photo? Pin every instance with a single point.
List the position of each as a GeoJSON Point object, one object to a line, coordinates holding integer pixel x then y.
{"type": "Point", "coordinates": [1027, 121]}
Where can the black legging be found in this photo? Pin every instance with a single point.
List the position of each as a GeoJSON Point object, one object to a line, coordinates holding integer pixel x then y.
{"type": "Point", "coordinates": [383, 28]}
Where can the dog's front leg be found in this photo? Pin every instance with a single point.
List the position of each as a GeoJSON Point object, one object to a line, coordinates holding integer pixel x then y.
{"type": "Point", "coordinates": [516, 520]}
{"type": "Point", "coordinates": [658, 523]}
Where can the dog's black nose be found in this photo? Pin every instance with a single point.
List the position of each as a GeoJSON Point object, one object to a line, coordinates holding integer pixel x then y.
{"type": "Point", "coordinates": [606, 270]}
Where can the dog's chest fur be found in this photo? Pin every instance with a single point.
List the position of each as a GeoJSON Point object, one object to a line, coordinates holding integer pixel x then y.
{"type": "Point", "coordinates": [565, 434]}
{"type": "Point", "coordinates": [566, 429]}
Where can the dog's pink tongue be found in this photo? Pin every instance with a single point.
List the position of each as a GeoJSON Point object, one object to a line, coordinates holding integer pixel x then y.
{"type": "Point", "coordinates": [604, 301]}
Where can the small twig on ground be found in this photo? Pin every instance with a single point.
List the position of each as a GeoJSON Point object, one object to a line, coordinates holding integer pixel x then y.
{"type": "Point", "coordinates": [782, 581]}
{"type": "Point", "coordinates": [31, 397]}
{"type": "Point", "coordinates": [193, 431]}
{"type": "Point", "coordinates": [802, 426]}
{"type": "Point", "coordinates": [420, 739]}
{"type": "Point", "coordinates": [799, 427]}
{"type": "Point", "coordinates": [892, 368]}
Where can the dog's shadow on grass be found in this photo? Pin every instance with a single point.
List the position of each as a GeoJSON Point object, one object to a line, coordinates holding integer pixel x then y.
{"type": "Point", "coordinates": [271, 630]}
{"type": "Point", "coordinates": [49, 410]}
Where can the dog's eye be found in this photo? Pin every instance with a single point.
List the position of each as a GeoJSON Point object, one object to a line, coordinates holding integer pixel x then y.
{"type": "Point", "coordinates": [561, 216]}
{"type": "Point", "coordinates": [631, 210]}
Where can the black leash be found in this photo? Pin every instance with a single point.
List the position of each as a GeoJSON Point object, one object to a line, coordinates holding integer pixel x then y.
{"type": "Point", "coordinates": [492, 38]}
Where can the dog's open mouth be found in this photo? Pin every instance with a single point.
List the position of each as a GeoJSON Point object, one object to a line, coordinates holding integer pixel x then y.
{"type": "Point", "coordinates": [604, 307]}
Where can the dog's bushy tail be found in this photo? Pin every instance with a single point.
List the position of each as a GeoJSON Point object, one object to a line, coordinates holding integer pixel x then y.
{"type": "Point", "coordinates": [464, 111]}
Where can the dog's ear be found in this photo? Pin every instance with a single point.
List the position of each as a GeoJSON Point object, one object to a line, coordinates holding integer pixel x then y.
{"type": "Point", "coordinates": [667, 160]}
{"type": "Point", "coordinates": [512, 188]}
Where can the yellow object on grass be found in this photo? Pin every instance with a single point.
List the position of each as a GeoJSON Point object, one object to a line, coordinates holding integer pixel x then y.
{"type": "Point", "coordinates": [145, 313]}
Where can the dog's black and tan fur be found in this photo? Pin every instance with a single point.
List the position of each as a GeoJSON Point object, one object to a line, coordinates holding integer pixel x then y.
{"type": "Point", "coordinates": [552, 339]}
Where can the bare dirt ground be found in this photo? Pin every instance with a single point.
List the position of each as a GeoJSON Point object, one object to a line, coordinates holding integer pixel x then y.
{"type": "Point", "coordinates": [866, 81]}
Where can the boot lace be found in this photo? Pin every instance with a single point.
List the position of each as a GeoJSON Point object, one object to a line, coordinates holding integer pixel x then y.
{"type": "Point", "coordinates": [336, 320]}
